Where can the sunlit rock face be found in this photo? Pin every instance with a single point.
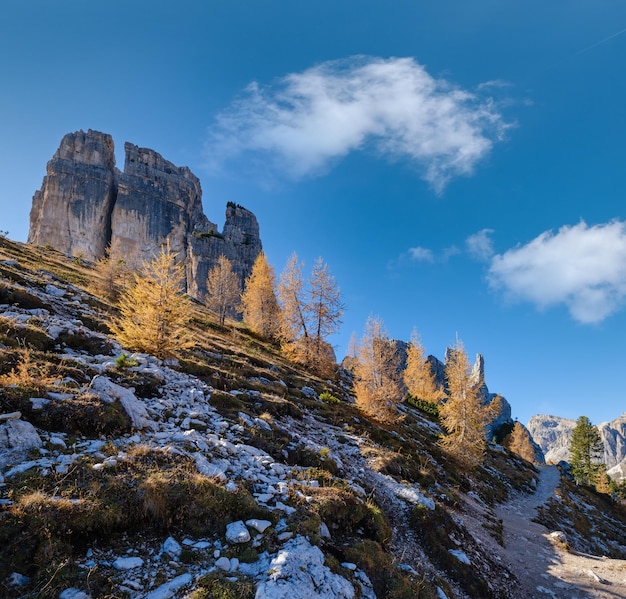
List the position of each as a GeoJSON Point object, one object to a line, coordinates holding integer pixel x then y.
{"type": "Point", "coordinates": [86, 205]}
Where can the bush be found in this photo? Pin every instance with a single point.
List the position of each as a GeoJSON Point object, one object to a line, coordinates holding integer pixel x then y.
{"type": "Point", "coordinates": [427, 407]}
{"type": "Point", "coordinates": [328, 397]}
{"type": "Point", "coordinates": [125, 361]}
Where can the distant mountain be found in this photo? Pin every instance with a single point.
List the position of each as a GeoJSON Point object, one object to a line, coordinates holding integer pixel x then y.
{"type": "Point", "coordinates": [553, 435]}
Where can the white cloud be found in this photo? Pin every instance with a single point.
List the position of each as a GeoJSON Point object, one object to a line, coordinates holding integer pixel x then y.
{"type": "Point", "coordinates": [480, 246]}
{"type": "Point", "coordinates": [580, 266]}
{"type": "Point", "coordinates": [306, 121]}
{"type": "Point", "coordinates": [421, 254]}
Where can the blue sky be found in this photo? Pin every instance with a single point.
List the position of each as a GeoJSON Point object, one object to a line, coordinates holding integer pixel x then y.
{"type": "Point", "coordinates": [459, 165]}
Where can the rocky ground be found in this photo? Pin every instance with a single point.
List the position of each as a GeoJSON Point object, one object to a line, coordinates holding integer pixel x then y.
{"type": "Point", "coordinates": [225, 474]}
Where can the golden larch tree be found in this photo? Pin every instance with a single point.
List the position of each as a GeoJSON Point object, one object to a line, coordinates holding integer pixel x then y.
{"type": "Point", "coordinates": [418, 375]}
{"type": "Point", "coordinates": [292, 299]}
{"type": "Point", "coordinates": [110, 274]}
{"type": "Point", "coordinates": [463, 415]}
{"type": "Point", "coordinates": [377, 381]}
{"type": "Point", "coordinates": [259, 305]}
{"type": "Point", "coordinates": [223, 292]}
{"type": "Point", "coordinates": [154, 311]}
{"type": "Point", "coordinates": [325, 309]}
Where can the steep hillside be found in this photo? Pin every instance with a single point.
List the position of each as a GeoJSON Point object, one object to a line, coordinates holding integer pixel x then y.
{"type": "Point", "coordinates": [229, 472]}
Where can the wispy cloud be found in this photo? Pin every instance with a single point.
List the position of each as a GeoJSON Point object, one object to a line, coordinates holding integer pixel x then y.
{"type": "Point", "coordinates": [480, 245]}
{"type": "Point", "coordinates": [582, 267]}
{"type": "Point", "coordinates": [304, 122]}
{"type": "Point", "coordinates": [420, 254]}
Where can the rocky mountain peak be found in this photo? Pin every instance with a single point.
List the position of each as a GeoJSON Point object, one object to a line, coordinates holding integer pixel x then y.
{"type": "Point", "coordinates": [86, 204]}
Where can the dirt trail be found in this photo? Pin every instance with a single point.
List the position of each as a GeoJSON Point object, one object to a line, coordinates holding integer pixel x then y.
{"type": "Point", "coordinates": [544, 569]}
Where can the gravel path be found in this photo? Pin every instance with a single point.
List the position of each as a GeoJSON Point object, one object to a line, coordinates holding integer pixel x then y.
{"type": "Point", "coordinates": [544, 569]}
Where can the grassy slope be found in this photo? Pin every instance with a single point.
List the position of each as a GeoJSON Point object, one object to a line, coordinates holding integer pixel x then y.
{"type": "Point", "coordinates": [51, 532]}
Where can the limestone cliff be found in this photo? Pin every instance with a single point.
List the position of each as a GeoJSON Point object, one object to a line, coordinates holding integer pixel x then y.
{"type": "Point", "coordinates": [86, 204]}
{"type": "Point", "coordinates": [72, 210]}
{"type": "Point", "coordinates": [553, 434]}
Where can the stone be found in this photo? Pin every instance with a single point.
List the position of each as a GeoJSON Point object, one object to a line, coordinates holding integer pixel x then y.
{"type": "Point", "coordinates": [10, 416]}
{"type": "Point", "coordinates": [258, 525]}
{"type": "Point", "coordinates": [17, 580]}
{"type": "Point", "coordinates": [298, 572]}
{"type": "Point", "coordinates": [171, 547]}
{"type": "Point", "coordinates": [236, 532]}
{"type": "Point", "coordinates": [87, 204]}
{"type": "Point", "coordinates": [223, 563]}
{"type": "Point", "coordinates": [73, 593]}
{"type": "Point", "coordinates": [127, 563]}
{"type": "Point", "coordinates": [109, 392]}
{"type": "Point", "coordinates": [460, 555]}
{"type": "Point", "coordinates": [169, 589]}
{"type": "Point", "coordinates": [19, 435]}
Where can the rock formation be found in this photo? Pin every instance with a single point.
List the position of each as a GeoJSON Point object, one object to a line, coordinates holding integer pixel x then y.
{"type": "Point", "coordinates": [553, 434]}
{"type": "Point", "coordinates": [86, 204]}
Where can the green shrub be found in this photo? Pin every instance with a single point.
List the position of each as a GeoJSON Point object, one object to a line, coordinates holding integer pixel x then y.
{"type": "Point", "coordinates": [427, 407]}
{"type": "Point", "coordinates": [328, 397]}
{"type": "Point", "coordinates": [125, 361]}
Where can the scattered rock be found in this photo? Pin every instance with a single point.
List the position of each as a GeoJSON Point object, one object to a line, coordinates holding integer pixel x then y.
{"type": "Point", "coordinates": [169, 589]}
{"type": "Point", "coordinates": [258, 525]}
{"type": "Point", "coordinates": [460, 555]}
{"type": "Point", "coordinates": [127, 563]}
{"type": "Point", "coordinates": [171, 547]}
{"type": "Point", "coordinates": [236, 532]}
{"type": "Point", "coordinates": [298, 572]}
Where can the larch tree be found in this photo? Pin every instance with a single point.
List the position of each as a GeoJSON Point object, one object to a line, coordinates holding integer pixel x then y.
{"type": "Point", "coordinates": [310, 313]}
{"type": "Point", "coordinates": [110, 274]}
{"type": "Point", "coordinates": [292, 299]}
{"type": "Point", "coordinates": [258, 301]}
{"type": "Point", "coordinates": [223, 291]}
{"type": "Point", "coordinates": [587, 452]}
{"type": "Point", "coordinates": [377, 382]}
{"type": "Point", "coordinates": [154, 311]}
{"type": "Point", "coordinates": [418, 376]}
{"type": "Point", "coordinates": [463, 415]}
{"type": "Point", "coordinates": [325, 309]}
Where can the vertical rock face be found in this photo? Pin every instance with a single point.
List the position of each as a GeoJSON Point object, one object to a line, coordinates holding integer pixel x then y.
{"type": "Point", "coordinates": [156, 201]}
{"type": "Point", "coordinates": [239, 242]}
{"type": "Point", "coordinates": [86, 204]}
{"type": "Point", "coordinates": [553, 435]}
{"type": "Point", "coordinates": [72, 210]}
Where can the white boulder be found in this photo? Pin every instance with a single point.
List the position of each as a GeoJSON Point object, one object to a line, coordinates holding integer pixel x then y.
{"type": "Point", "coordinates": [298, 572]}
{"type": "Point", "coordinates": [108, 391]}
{"type": "Point", "coordinates": [236, 532]}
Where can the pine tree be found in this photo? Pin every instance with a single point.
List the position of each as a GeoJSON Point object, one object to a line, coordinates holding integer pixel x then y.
{"type": "Point", "coordinates": [587, 452]}
{"type": "Point", "coordinates": [223, 292]}
{"type": "Point", "coordinates": [463, 414]}
{"type": "Point", "coordinates": [154, 310]}
{"type": "Point", "coordinates": [377, 385]}
{"type": "Point", "coordinates": [418, 376]}
{"type": "Point", "coordinates": [260, 308]}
